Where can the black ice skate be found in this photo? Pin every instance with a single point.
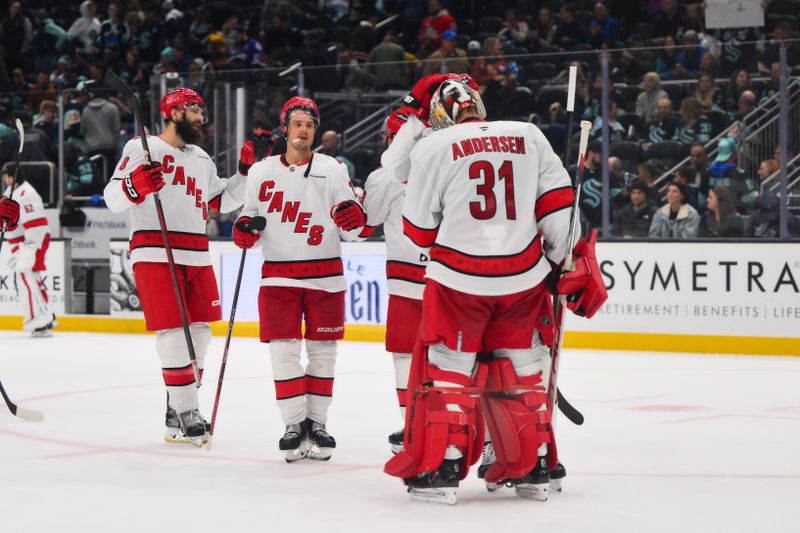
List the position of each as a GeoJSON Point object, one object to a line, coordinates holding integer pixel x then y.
{"type": "Point", "coordinates": [396, 442]}
{"type": "Point", "coordinates": [321, 443]}
{"type": "Point", "coordinates": [293, 443]}
{"type": "Point", "coordinates": [556, 476]}
{"type": "Point", "coordinates": [187, 427]}
{"type": "Point", "coordinates": [534, 485]}
{"type": "Point", "coordinates": [439, 486]}
{"type": "Point", "coordinates": [488, 460]}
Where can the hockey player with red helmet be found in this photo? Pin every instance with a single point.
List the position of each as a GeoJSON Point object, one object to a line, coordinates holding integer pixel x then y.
{"type": "Point", "coordinates": [384, 192]}
{"type": "Point", "coordinates": [309, 205]}
{"type": "Point", "coordinates": [186, 180]}
{"type": "Point", "coordinates": [488, 202]}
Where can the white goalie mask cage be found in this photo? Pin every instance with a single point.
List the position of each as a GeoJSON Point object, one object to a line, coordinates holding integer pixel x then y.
{"type": "Point", "coordinates": [449, 100]}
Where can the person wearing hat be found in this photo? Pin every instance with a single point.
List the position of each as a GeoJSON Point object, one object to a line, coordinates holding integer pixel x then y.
{"type": "Point", "coordinates": [448, 58]}
{"type": "Point", "coordinates": [688, 63]}
{"type": "Point", "coordinates": [724, 172]}
{"type": "Point", "coordinates": [676, 219]}
{"type": "Point", "coordinates": [764, 221]}
{"type": "Point", "coordinates": [633, 221]}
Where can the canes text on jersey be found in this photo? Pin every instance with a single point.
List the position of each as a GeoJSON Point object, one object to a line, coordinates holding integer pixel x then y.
{"type": "Point", "coordinates": [290, 212]}
{"type": "Point", "coordinates": [180, 178]}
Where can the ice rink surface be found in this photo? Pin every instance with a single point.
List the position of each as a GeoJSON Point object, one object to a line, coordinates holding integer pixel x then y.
{"type": "Point", "coordinates": [672, 443]}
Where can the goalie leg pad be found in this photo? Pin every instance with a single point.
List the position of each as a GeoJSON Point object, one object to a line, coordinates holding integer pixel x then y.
{"type": "Point", "coordinates": [443, 411]}
{"type": "Point", "coordinates": [512, 406]}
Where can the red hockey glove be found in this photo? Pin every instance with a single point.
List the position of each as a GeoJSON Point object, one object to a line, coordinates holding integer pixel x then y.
{"type": "Point", "coordinates": [254, 149]}
{"type": "Point", "coordinates": [419, 99]}
{"type": "Point", "coordinates": [584, 286]}
{"type": "Point", "coordinates": [244, 236]}
{"type": "Point", "coordinates": [144, 180]}
{"type": "Point", "coordinates": [348, 215]}
{"type": "Point", "coordinates": [9, 212]}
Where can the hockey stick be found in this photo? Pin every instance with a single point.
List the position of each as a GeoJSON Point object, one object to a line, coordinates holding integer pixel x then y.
{"type": "Point", "coordinates": [21, 132]}
{"type": "Point", "coordinates": [561, 301]}
{"type": "Point", "coordinates": [257, 223]}
{"type": "Point", "coordinates": [25, 414]}
{"type": "Point", "coordinates": [114, 81]}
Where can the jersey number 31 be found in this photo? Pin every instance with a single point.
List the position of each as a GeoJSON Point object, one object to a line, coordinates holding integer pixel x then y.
{"type": "Point", "coordinates": [488, 208]}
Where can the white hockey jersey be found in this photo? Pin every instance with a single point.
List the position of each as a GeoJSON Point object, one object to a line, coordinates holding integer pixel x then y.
{"type": "Point", "coordinates": [488, 199]}
{"type": "Point", "coordinates": [301, 244]}
{"type": "Point", "coordinates": [405, 264]}
{"type": "Point", "coordinates": [192, 186]}
{"type": "Point", "coordinates": [32, 228]}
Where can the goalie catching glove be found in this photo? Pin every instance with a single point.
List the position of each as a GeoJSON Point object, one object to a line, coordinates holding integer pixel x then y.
{"type": "Point", "coordinates": [584, 286]}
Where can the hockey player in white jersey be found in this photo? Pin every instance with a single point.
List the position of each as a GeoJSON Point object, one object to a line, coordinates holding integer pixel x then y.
{"type": "Point", "coordinates": [186, 179]}
{"type": "Point", "coordinates": [405, 265]}
{"type": "Point", "coordinates": [488, 202]}
{"type": "Point", "coordinates": [309, 203]}
{"type": "Point", "coordinates": [29, 237]}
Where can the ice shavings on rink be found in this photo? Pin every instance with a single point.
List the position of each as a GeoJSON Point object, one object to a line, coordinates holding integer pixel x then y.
{"type": "Point", "coordinates": [671, 443]}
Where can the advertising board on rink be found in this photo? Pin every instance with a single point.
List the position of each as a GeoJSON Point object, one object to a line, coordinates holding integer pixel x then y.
{"type": "Point", "coordinates": [699, 288]}
{"type": "Point", "coordinates": [56, 280]}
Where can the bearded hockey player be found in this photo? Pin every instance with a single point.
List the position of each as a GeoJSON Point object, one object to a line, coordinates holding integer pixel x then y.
{"type": "Point", "coordinates": [309, 204]}
{"type": "Point", "coordinates": [29, 237]}
{"type": "Point", "coordinates": [489, 203]}
{"type": "Point", "coordinates": [186, 180]}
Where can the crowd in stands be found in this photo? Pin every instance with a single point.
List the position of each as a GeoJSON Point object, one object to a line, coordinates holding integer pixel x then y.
{"type": "Point", "coordinates": [674, 84]}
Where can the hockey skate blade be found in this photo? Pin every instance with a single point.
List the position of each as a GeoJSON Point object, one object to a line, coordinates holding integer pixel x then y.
{"type": "Point", "coordinates": [438, 496]}
{"type": "Point", "coordinates": [530, 491]}
{"type": "Point", "coordinates": [555, 485]}
{"type": "Point", "coordinates": [491, 487]}
{"type": "Point", "coordinates": [396, 448]}
{"type": "Point", "coordinates": [297, 454]}
{"type": "Point", "coordinates": [319, 454]}
{"type": "Point", "coordinates": [29, 414]}
{"type": "Point", "coordinates": [172, 436]}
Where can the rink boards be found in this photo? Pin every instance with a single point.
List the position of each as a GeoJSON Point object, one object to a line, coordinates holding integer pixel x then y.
{"type": "Point", "coordinates": [710, 297]}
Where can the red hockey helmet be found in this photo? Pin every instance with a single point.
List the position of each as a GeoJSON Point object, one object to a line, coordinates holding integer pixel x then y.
{"type": "Point", "coordinates": [298, 103]}
{"type": "Point", "coordinates": [181, 98]}
{"type": "Point", "coordinates": [393, 123]}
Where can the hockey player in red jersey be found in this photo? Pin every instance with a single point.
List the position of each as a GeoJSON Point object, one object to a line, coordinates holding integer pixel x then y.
{"type": "Point", "coordinates": [488, 202]}
{"type": "Point", "coordinates": [309, 203]}
{"type": "Point", "coordinates": [186, 179]}
{"type": "Point", "coordinates": [29, 237]}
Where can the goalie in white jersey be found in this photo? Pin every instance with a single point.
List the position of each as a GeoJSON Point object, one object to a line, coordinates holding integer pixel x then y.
{"type": "Point", "coordinates": [309, 203]}
{"type": "Point", "coordinates": [29, 237]}
{"type": "Point", "coordinates": [186, 179]}
{"type": "Point", "coordinates": [488, 202]}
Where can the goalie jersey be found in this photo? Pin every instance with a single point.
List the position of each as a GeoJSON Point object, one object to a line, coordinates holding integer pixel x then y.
{"type": "Point", "coordinates": [489, 202]}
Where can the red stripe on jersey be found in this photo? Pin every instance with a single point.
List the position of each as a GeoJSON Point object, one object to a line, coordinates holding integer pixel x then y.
{"type": "Point", "coordinates": [36, 222]}
{"type": "Point", "coordinates": [215, 202]}
{"type": "Point", "coordinates": [319, 268]}
{"type": "Point", "coordinates": [405, 271]}
{"type": "Point", "coordinates": [177, 377]}
{"type": "Point", "coordinates": [16, 240]}
{"type": "Point", "coordinates": [289, 388]}
{"type": "Point", "coordinates": [178, 240]}
{"type": "Point", "coordinates": [319, 386]}
{"type": "Point", "coordinates": [554, 200]}
{"type": "Point", "coordinates": [367, 231]}
{"type": "Point", "coordinates": [402, 394]}
{"type": "Point", "coordinates": [492, 266]}
{"type": "Point", "coordinates": [422, 237]}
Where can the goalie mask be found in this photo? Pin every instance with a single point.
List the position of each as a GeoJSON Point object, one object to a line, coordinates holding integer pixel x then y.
{"type": "Point", "coordinates": [450, 99]}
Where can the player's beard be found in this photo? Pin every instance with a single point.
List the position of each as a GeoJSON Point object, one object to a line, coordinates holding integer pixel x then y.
{"type": "Point", "coordinates": [190, 133]}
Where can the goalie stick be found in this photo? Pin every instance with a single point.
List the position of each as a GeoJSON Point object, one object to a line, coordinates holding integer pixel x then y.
{"type": "Point", "coordinates": [561, 301]}
{"type": "Point", "coordinates": [257, 223]}
{"type": "Point", "coordinates": [25, 414]}
{"type": "Point", "coordinates": [114, 81]}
